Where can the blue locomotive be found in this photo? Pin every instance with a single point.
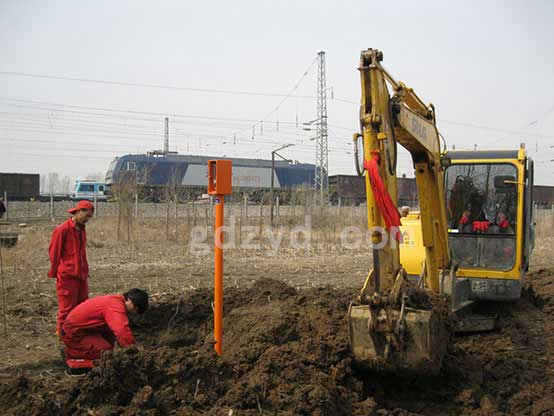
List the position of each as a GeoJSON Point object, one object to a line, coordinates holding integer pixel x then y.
{"type": "Point", "coordinates": [156, 170]}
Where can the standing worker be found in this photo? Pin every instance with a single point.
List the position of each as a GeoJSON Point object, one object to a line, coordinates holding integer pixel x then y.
{"type": "Point", "coordinates": [68, 259]}
{"type": "Point", "coordinates": [98, 323]}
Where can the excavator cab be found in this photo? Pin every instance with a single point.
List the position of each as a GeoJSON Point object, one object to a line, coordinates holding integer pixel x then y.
{"type": "Point", "coordinates": [488, 195]}
{"type": "Point", "coordinates": [482, 207]}
{"type": "Point", "coordinates": [491, 246]}
{"type": "Point", "coordinates": [489, 202]}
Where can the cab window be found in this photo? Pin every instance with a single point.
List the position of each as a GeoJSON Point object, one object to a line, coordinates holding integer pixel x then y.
{"type": "Point", "coordinates": [86, 188]}
{"type": "Point", "coordinates": [481, 203]}
{"type": "Point", "coordinates": [481, 198]}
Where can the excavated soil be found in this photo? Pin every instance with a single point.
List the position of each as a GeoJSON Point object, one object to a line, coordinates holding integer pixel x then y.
{"type": "Point", "coordinates": [286, 353]}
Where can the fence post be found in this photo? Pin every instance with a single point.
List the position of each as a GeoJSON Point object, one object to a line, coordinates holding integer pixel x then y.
{"type": "Point", "coordinates": [277, 201]}
{"type": "Point", "coordinates": [52, 206]}
{"type": "Point", "coordinates": [136, 204]}
{"type": "Point", "coordinates": [6, 204]}
{"type": "Point", "coordinates": [246, 206]}
{"type": "Point", "coordinates": [261, 214]}
{"type": "Point", "coordinates": [176, 217]}
{"type": "Point", "coordinates": [95, 205]}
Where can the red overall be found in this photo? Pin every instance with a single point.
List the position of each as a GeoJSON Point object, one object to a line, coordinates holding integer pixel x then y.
{"type": "Point", "coordinates": [95, 325]}
{"type": "Point", "coordinates": [68, 265]}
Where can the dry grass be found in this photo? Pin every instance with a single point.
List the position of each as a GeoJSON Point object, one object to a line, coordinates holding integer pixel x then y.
{"type": "Point", "coordinates": [543, 254]}
{"type": "Point", "coordinates": [149, 243]}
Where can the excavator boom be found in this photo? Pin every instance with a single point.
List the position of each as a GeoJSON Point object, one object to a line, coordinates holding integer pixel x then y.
{"type": "Point", "coordinates": [385, 330]}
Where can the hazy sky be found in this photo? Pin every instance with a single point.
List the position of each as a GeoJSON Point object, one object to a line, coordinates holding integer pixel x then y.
{"type": "Point", "coordinates": [488, 66]}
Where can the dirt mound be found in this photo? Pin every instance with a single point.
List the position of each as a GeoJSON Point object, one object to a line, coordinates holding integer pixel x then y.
{"type": "Point", "coordinates": [539, 290]}
{"type": "Point", "coordinates": [286, 352]}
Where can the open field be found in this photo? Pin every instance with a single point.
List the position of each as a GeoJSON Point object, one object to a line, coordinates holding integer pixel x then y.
{"type": "Point", "coordinates": [286, 342]}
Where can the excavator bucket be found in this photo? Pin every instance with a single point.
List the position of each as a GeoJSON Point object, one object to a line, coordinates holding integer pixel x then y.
{"type": "Point", "coordinates": [416, 341]}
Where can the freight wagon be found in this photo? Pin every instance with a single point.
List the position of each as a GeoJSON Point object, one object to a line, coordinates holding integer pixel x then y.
{"type": "Point", "coordinates": [351, 190]}
{"type": "Point", "coordinates": [543, 196]}
{"type": "Point", "coordinates": [20, 186]}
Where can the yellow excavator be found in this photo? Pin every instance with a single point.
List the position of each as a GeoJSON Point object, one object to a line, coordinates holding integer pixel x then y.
{"type": "Point", "coordinates": [470, 241]}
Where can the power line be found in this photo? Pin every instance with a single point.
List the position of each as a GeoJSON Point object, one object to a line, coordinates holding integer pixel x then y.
{"type": "Point", "coordinates": [120, 115]}
{"type": "Point", "coordinates": [49, 144]}
{"type": "Point", "coordinates": [139, 137]}
{"type": "Point", "coordinates": [481, 127]}
{"type": "Point", "coordinates": [255, 121]}
{"type": "Point", "coordinates": [53, 128]}
{"type": "Point", "coordinates": [78, 151]}
{"type": "Point", "coordinates": [334, 98]}
{"type": "Point", "coordinates": [147, 85]}
{"type": "Point", "coordinates": [118, 111]}
{"type": "Point", "coordinates": [286, 97]}
{"type": "Point", "coordinates": [52, 119]}
{"type": "Point", "coordinates": [64, 156]}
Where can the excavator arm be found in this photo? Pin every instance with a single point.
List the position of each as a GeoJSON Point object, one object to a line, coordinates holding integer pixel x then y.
{"type": "Point", "coordinates": [384, 330]}
{"type": "Point", "coordinates": [404, 119]}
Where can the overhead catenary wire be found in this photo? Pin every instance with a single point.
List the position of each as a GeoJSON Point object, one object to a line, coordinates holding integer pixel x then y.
{"type": "Point", "coordinates": [115, 110]}
{"type": "Point", "coordinates": [55, 120]}
{"type": "Point", "coordinates": [51, 125]}
{"type": "Point", "coordinates": [145, 116]}
{"type": "Point", "coordinates": [120, 113]}
{"type": "Point", "coordinates": [137, 141]}
{"type": "Point", "coordinates": [88, 133]}
{"type": "Point", "coordinates": [285, 98]}
{"type": "Point", "coordinates": [150, 85]}
{"type": "Point", "coordinates": [48, 126]}
{"type": "Point", "coordinates": [133, 132]}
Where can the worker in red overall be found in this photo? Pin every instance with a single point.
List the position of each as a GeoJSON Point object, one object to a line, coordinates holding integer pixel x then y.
{"type": "Point", "coordinates": [96, 324]}
{"type": "Point", "coordinates": [68, 260]}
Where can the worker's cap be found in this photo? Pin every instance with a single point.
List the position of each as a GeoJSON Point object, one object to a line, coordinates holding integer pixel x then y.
{"type": "Point", "coordinates": [81, 205]}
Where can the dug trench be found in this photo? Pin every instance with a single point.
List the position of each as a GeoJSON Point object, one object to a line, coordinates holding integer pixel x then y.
{"type": "Point", "coordinates": [286, 352]}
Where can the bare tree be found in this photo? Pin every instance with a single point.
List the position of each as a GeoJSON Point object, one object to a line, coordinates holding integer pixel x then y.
{"type": "Point", "coordinates": [174, 192]}
{"type": "Point", "coordinates": [53, 182]}
{"type": "Point", "coordinates": [125, 191]}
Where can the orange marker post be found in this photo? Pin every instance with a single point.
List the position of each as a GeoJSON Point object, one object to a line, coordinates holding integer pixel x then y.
{"type": "Point", "coordinates": [220, 176]}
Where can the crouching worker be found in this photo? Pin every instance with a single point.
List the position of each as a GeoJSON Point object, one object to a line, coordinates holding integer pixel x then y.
{"type": "Point", "coordinates": [97, 324]}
